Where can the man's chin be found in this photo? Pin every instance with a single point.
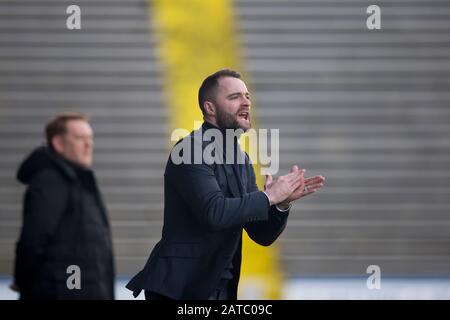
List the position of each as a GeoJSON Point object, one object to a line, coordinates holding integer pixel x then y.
{"type": "Point", "coordinates": [244, 125]}
{"type": "Point", "coordinates": [235, 125]}
{"type": "Point", "coordinates": [87, 163]}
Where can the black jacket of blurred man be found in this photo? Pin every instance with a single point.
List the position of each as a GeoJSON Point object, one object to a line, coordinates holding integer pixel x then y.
{"type": "Point", "coordinates": [64, 219]}
{"type": "Point", "coordinates": [207, 206]}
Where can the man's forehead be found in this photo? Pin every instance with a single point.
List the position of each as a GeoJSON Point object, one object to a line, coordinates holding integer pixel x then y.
{"type": "Point", "coordinates": [78, 127]}
{"type": "Point", "coordinates": [231, 84]}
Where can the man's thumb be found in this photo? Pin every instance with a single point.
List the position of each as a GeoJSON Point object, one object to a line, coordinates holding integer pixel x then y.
{"type": "Point", "coordinates": [268, 179]}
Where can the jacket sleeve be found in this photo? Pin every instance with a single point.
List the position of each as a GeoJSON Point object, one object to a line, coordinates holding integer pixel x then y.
{"type": "Point", "coordinates": [197, 185]}
{"type": "Point", "coordinates": [44, 203]}
{"type": "Point", "coordinates": [266, 232]}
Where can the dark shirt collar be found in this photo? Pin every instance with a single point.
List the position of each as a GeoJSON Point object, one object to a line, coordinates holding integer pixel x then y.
{"type": "Point", "coordinates": [208, 125]}
{"type": "Point", "coordinates": [71, 167]}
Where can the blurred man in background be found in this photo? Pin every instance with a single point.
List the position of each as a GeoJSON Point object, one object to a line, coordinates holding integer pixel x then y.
{"type": "Point", "coordinates": [64, 250]}
{"type": "Point", "coordinates": [207, 206]}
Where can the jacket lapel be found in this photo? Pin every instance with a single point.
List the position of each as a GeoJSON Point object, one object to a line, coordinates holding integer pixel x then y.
{"type": "Point", "coordinates": [232, 174]}
{"type": "Point", "coordinates": [233, 184]}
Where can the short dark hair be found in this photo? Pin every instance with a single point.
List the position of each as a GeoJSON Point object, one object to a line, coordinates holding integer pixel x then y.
{"type": "Point", "coordinates": [58, 124]}
{"type": "Point", "coordinates": [209, 86]}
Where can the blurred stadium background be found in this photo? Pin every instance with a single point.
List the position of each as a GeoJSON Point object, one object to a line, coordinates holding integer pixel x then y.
{"type": "Point", "coordinates": [369, 110]}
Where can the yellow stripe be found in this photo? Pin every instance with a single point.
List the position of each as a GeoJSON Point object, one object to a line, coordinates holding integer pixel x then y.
{"type": "Point", "coordinates": [194, 39]}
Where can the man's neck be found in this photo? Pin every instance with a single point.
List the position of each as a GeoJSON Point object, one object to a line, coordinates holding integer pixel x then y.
{"type": "Point", "coordinates": [213, 123]}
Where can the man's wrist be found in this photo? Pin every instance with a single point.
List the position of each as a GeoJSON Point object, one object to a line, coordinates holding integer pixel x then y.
{"type": "Point", "coordinates": [283, 206]}
{"type": "Point", "coordinates": [268, 198]}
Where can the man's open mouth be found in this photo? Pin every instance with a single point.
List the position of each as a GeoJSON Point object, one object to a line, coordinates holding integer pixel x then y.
{"type": "Point", "coordinates": [244, 115]}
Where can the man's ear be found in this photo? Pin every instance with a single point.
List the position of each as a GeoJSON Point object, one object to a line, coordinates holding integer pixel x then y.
{"type": "Point", "coordinates": [57, 144]}
{"type": "Point", "coordinates": [210, 108]}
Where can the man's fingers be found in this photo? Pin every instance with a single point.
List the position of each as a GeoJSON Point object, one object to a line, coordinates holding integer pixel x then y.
{"type": "Point", "coordinates": [315, 186]}
{"type": "Point", "coordinates": [312, 188]}
{"type": "Point", "coordinates": [298, 182]}
{"type": "Point", "coordinates": [318, 178]}
{"type": "Point", "coordinates": [293, 176]}
{"type": "Point", "coordinates": [294, 184]}
{"type": "Point", "coordinates": [308, 192]}
{"type": "Point", "coordinates": [314, 179]}
{"type": "Point", "coordinates": [295, 170]}
{"type": "Point", "coordinates": [269, 180]}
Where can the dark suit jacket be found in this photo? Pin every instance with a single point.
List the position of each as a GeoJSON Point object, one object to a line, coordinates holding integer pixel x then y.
{"type": "Point", "coordinates": [65, 223]}
{"type": "Point", "coordinates": [206, 209]}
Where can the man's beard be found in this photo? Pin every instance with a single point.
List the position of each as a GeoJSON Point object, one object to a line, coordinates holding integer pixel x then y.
{"type": "Point", "coordinates": [226, 120]}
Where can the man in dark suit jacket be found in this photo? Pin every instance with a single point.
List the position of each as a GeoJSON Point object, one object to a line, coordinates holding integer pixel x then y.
{"type": "Point", "coordinates": [65, 222]}
{"type": "Point", "coordinates": [208, 204]}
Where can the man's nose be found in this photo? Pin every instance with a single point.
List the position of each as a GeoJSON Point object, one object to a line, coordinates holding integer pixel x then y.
{"type": "Point", "coordinates": [89, 143]}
